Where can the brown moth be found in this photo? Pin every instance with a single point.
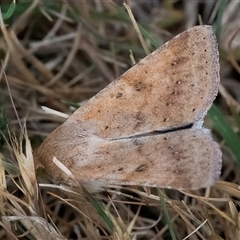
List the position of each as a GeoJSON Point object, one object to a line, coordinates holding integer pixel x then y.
{"type": "Point", "coordinates": [145, 128]}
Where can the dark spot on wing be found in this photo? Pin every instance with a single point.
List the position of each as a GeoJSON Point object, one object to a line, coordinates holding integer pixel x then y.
{"type": "Point", "coordinates": [141, 168]}
{"type": "Point", "coordinates": [139, 119]}
{"type": "Point", "coordinates": [139, 86]}
{"type": "Point", "coordinates": [179, 61]}
{"type": "Point", "coordinates": [119, 95]}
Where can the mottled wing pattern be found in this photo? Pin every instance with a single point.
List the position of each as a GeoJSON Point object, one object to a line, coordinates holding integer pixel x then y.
{"type": "Point", "coordinates": [181, 159]}
{"type": "Point", "coordinates": [105, 140]}
{"type": "Point", "coordinates": [174, 86]}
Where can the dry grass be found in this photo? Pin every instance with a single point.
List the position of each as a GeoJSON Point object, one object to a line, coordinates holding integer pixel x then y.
{"type": "Point", "coordinates": [70, 50]}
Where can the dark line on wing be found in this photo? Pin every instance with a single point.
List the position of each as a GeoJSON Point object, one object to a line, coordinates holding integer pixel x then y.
{"type": "Point", "coordinates": [188, 126]}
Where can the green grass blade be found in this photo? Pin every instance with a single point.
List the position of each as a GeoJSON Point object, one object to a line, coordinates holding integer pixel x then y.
{"type": "Point", "coordinates": [222, 7]}
{"type": "Point", "coordinates": [166, 215]}
{"type": "Point", "coordinates": [71, 104]}
{"type": "Point", "coordinates": [100, 209]}
{"type": "Point", "coordinates": [224, 129]}
{"type": "Point", "coordinates": [9, 11]}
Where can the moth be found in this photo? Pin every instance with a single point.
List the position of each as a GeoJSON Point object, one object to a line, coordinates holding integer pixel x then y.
{"type": "Point", "coordinates": [145, 128]}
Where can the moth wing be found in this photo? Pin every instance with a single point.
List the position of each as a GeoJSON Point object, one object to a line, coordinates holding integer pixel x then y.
{"type": "Point", "coordinates": [174, 86]}
{"type": "Point", "coordinates": [187, 159]}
